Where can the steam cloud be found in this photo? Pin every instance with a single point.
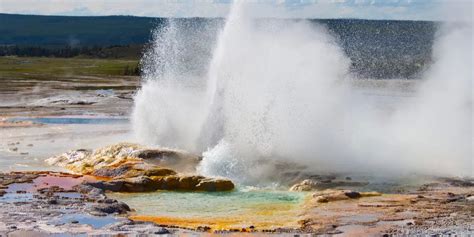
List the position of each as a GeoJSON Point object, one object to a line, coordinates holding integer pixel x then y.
{"type": "Point", "coordinates": [280, 92]}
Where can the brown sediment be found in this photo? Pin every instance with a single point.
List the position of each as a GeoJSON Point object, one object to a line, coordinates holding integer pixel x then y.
{"type": "Point", "coordinates": [220, 223]}
{"type": "Point", "coordinates": [18, 124]}
{"type": "Point", "coordinates": [417, 212]}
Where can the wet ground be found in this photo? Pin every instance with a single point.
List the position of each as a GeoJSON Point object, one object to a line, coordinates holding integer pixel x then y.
{"type": "Point", "coordinates": [49, 95]}
{"type": "Point", "coordinates": [26, 147]}
{"type": "Point", "coordinates": [41, 117]}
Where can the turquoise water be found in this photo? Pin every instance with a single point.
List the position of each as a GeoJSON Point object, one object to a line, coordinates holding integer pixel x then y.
{"type": "Point", "coordinates": [71, 120]}
{"type": "Point", "coordinates": [210, 205]}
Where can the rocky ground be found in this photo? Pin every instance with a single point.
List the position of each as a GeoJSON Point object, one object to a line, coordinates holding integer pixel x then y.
{"type": "Point", "coordinates": [46, 203]}
{"type": "Point", "coordinates": [444, 206]}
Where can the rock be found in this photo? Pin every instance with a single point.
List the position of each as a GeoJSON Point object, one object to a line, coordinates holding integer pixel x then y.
{"type": "Point", "coordinates": [70, 159]}
{"type": "Point", "coordinates": [304, 186]}
{"type": "Point", "coordinates": [86, 161]}
{"type": "Point", "coordinates": [459, 182]}
{"type": "Point", "coordinates": [53, 201]}
{"type": "Point", "coordinates": [172, 182]}
{"type": "Point", "coordinates": [107, 200]}
{"type": "Point", "coordinates": [97, 213]}
{"type": "Point", "coordinates": [167, 182]}
{"type": "Point", "coordinates": [136, 184]}
{"type": "Point", "coordinates": [114, 186]}
{"type": "Point", "coordinates": [193, 183]}
{"type": "Point", "coordinates": [106, 160]}
{"type": "Point", "coordinates": [178, 160]}
{"type": "Point", "coordinates": [336, 195]}
{"type": "Point", "coordinates": [158, 171]}
{"type": "Point", "coordinates": [215, 185]}
{"type": "Point", "coordinates": [352, 194]}
{"type": "Point", "coordinates": [321, 199]}
{"type": "Point", "coordinates": [127, 166]}
{"type": "Point", "coordinates": [311, 185]}
{"type": "Point", "coordinates": [154, 153]}
{"type": "Point", "coordinates": [109, 208]}
{"type": "Point", "coordinates": [82, 103]}
{"type": "Point", "coordinates": [454, 198]}
{"type": "Point", "coordinates": [13, 149]}
{"type": "Point", "coordinates": [130, 170]}
{"type": "Point", "coordinates": [203, 228]}
{"type": "Point", "coordinates": [112, 171]}
{"type": "Point", "coordinates": [89, 190]}
{"type": "Point", "coordinates": [161, 231]}
{"type": "Point", "coordinates": [331, 195]}
{"type": "Point", "coordinates": [189, 182]}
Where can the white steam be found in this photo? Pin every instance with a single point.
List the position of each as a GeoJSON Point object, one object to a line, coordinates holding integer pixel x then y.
{"type": "Point", "coordinates": [169, 108]}
{"type": "Point", "coordinates": [279, 94]}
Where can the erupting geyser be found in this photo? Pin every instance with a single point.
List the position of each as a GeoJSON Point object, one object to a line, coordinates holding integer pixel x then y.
{"type": "Point", "coordinates": [280, 92]}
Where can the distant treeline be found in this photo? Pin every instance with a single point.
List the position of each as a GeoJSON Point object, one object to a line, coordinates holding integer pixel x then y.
{"type": "Point", "coordinates": [377, 48]}
{"type": "Point", "coordinates": [132, 52]}
{"type": "Point", "coordinates": [66, 51]}
{"type": "Point", "coordinates": [73, 31]}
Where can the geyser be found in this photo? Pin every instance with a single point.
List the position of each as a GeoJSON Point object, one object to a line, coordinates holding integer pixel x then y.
{"type": "Point", "coordinates": [278, 93]}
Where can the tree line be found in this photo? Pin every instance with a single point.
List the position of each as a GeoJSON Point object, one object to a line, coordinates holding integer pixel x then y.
{"type": "Point", "coordinates": [115, 51]}
{"type": "Point", "coordinates": [100, 52]}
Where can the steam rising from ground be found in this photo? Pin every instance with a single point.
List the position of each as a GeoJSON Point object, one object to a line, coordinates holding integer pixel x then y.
{"type": "Point", "coordinates": [279, 92]}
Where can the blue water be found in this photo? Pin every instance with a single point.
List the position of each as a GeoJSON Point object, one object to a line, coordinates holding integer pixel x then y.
{"type": "Point", "coordinates": [86, 219]}
{"type": "Point", "coordinates": [69, 120]}
{"type": "Point", "coordinates": [17, 197]}
{"type": "Point", "coordinates": [207, 205]}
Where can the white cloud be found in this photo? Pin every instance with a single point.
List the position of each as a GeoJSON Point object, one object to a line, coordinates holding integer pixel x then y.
{"type": "Point", "coordinates": [368, 9]}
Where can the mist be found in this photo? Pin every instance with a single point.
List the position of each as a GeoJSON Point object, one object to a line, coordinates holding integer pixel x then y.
{"type": "Point", "coordinates": [279, 94]}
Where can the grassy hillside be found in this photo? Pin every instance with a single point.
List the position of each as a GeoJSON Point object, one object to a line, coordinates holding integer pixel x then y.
{"type": "Point", "coordinates": [50, 68]}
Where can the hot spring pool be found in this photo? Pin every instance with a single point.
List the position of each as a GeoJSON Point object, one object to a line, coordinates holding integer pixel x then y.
{"type": "Point", "coordinates": [223, 210]}
{"type": "Point", "coordinates": [71, 120]}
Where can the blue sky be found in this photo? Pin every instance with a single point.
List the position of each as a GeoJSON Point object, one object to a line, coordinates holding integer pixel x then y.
{"type": "Point", "coordinates": [365, 9]}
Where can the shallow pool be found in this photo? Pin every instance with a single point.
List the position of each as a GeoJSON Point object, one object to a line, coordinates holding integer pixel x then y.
{"type": "Point", "coordinates": [86, 219]}
{"type": "Point", "coordinates": [223, 210]}
{"type": "Point", "coordinates": [71, 120]}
